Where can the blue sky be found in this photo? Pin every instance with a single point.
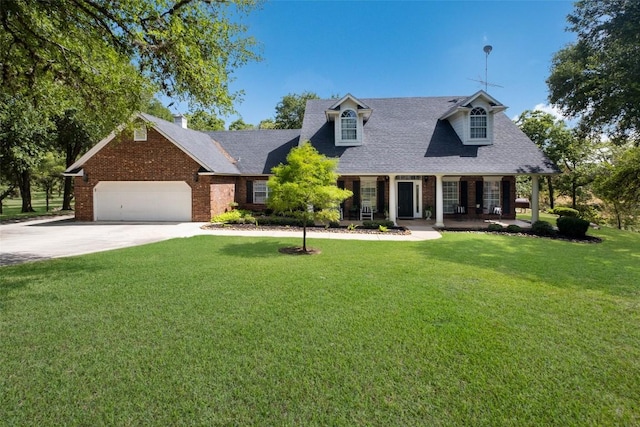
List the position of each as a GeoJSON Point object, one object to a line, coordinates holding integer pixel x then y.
{"type": "Point", "coordinates": [376, 49]}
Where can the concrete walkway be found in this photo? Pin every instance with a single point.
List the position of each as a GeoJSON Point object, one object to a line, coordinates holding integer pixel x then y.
{"type": "Point", "coordinates": [62, 236]}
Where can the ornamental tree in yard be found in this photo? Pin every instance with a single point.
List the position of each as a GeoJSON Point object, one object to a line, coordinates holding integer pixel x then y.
{"type": "Point", "coordinates": [306, 187]}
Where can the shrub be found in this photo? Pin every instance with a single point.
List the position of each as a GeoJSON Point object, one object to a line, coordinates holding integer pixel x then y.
{"type": "Point", "coordinates": [562, 211]}
{"type": "Point", "coordinates": [235, 216]}
{"type": "Point", "coordinates": [590, 213]}
{"type": "Point", "coordinates": [375, 224]}
{"type": "Point", "coordinates": [572, 227]}
{"type": "Point", "coordinates": [495, 227]}
{"type": "Point", "coordinates": [514, 228]}
{"type": "Point", "coordinates": [542, 228]}
{"type": "Point", "coordinates": [383, 229]}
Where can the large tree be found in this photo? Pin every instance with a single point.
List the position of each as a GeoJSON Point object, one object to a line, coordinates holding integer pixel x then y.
{"type": "Point", "coordinates": [290, 110]}
{"type": "Point", "coordinates": [188, 48]}
{"type": "Point", "coordinates": [551, 135]}
{"type": "Point", "coordinates": [617, 184]}
{"type": "Point", "coordinates": [596, 78]}
{"type": "Point", "coordinates": [306, 186]}
{"type": "Point", "coordinates": [102, 58]}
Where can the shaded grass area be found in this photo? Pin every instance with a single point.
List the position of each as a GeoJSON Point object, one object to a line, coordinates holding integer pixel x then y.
{"type": "Point", "coordinates": [470, 329]}
{"type": "Point", "coordinates": [11, 207]}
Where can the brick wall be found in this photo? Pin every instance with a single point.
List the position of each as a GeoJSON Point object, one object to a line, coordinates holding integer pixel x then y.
{"type": "Point", "coordinates": [156, 159]}
{"type": "Point", "coordinates": [222, 193]}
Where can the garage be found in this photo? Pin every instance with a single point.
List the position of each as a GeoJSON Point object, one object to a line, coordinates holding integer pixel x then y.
{"type": "Point", "coordinates": [142, 201]}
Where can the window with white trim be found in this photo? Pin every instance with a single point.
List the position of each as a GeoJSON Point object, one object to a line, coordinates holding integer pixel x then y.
{"type": "Point", "coordinates": [369, 192]}
{"type": "Point", "coordinates": [260, 192]}
{"type": "Point", "coordinates": [478, 123]}
{"type": "Point", "coordinates": [349, 125]}
{"type": "Point", "coordinates": [450, 196]}
{"type": "Point", "coordinates": [491, 195]}
{"type": "Point", "coordinates": [140, 132]}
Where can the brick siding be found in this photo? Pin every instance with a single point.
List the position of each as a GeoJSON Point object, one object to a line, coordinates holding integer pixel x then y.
{"type": "Point", "coordinates": [155, 159]}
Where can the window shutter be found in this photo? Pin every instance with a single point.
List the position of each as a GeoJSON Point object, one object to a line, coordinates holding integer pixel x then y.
{"type": "Point", "coordinates": [506, 197]}
{"type": "Point", "coordinates": [356, 193]}
{"type": "Point", "coordinates": [479, 193]}
{"type": "Point", "coordinates": [464, 199]}
{"type": "Point", "coordinates": [249, 191]}
{"type": "Point", "coordinates": [381, 207]}
{"type": "Point", "coordinates": [341, 186]}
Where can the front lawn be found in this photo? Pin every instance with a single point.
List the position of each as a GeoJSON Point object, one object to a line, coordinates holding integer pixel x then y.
{"type": "Point", "coordinates": [468, 330]}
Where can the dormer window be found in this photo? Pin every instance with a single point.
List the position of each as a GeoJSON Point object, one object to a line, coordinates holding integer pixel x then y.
{"type": "Point", "coordinates": [478, 123]}
{"type": "Point", "coordinates": [349, 125]}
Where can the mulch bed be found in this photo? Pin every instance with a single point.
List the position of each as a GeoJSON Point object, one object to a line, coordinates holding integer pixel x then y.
{"type": "Point", "coordinates": [585, 239]}
{"type": "Point", "coordinates": [312, 229]}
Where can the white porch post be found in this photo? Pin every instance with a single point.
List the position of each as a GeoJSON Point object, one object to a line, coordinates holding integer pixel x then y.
{"type": "Point", "coordinates": [393, 199]}
{"type": "Point", "coordinates": [439, 202]}
{"type": "Point", "coordinates": [535, 198]}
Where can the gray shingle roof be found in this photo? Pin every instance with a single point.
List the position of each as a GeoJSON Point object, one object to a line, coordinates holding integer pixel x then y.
{"type": "Point", "coordinates": [197, 144]}
{"type": "Point", "coordinates": [405, 136]}
{"type": "Point", "coordinates": [257, 151]}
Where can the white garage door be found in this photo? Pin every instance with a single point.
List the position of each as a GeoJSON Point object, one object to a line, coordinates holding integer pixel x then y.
{"type": "Point", "coordinates": [142, 201]}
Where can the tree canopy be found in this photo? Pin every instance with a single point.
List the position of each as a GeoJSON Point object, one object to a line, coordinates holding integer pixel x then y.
{"type": "Point", "coordinates": [596, 78]}
{"type": "Point", "coordinates": [204, 120]}
{"type": "Point", "coordinates": [188, 49]}
{"type": "Point", "coordinates": [306, 186]}
{"type": "Point", "coordinates": [290, 110]}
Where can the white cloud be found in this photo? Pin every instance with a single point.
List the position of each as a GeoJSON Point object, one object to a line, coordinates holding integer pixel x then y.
{"type": "Point", "coordinates": [551, 109]}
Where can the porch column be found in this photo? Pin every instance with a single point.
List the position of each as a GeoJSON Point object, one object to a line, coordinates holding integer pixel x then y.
{"type": "Point", "coordinates": [439, 202]}
{"type": "Point", "coordinates": [393, 199]}
{"type": "Point", "coordinates": [535, 198]}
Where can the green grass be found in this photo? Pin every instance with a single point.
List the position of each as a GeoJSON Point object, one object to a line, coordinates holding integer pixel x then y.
{"type": "Point", "coordinates": [471, 329]}
{"type": "Point", "coordinates": [11, 207]}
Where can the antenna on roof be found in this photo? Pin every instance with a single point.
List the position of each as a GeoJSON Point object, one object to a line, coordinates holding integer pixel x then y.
{"type": "Point", "coordinates": [487, 50]}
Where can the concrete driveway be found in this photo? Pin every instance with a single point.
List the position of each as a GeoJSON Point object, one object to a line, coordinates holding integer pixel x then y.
{"type": "Point", "coordinates": [62, 236]}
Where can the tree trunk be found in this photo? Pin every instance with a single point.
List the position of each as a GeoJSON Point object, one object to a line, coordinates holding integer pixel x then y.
{"type": "Point", "coordinates": [68, 193]}
{"type": "Point", "coordinates": [72, 152]}
{"type": "Point", "coordinates": [5, 195]}
{"type": "Point", "coordinates": [550, 184]}
{"type": "Point", "coordinates": [304, 235]}
{"type": "Point", "coordinates": [24, 184]}
{"type": "Point", "coordinates": [574, 189]}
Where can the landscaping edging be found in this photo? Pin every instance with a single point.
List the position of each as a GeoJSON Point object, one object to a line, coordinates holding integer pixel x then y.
{"type": "Point", "coordinates": [311, 229]}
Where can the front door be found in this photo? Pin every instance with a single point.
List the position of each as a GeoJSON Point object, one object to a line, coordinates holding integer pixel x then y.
{"type": "Point", "coordinates": [405, 199]}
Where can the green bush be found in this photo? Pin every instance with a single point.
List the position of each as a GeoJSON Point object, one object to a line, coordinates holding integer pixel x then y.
{"type": "Point", "coordinates": [514, 228]}
{"type": "Point", "coordinates": [589, 212]}
{"type": "Point", "coordinates": [563, 211]}
{"type": "Point", "coordinates": [235, 216]}
{"type": "Point", "coordinates": [375, 224]}
{"type": "Point", "coordinates": [542, 228]}
{"type": "Point", "coordinates": [572, 227]}
{"type": "Point", "coordinates": [495, 227]}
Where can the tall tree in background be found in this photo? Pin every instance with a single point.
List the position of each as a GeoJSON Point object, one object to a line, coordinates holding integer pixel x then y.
{"type": "Point", "coordinates": [290, 110]}
{"type": "Point", "coordinates": [24, 138]}
{"type": "Point", "coordinates": [596, 78]}
{"type": "Point", "coordinates": [203, 120]}
{"type": "Point", "coordinates": [240, 125]}
{"type": "Point", "coordinates": [154, 107]}
{"type": "Point", "coordinates": [306, 186]}
{"type": "Point", "coordinates": [551, 135]}
{"type": "Point", "coordinates": [617, 184]}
